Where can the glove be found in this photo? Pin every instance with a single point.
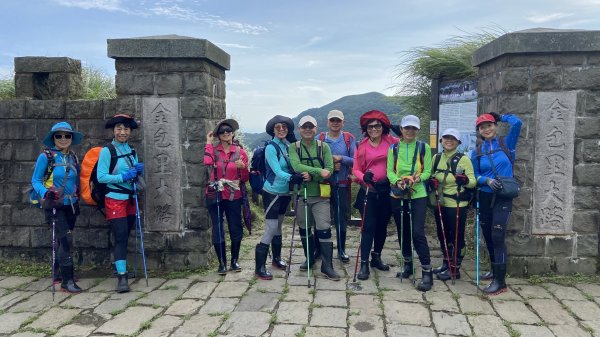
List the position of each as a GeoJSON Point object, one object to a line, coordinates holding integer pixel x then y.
{"type": "Point", "coordinates": [368, 178]}
{"type": "Point", "coordinates": [408, 180]}
{"type": "Point", "coordinates": [434, 184]}
{"type": "Point", "coordinates": [129, 175]}
{"type": "Point", "coordinates": [382, 185]}
{"type": "Point", "coordinates": [139, 167]}
{"type": "Point", "coordinates": [397, 130]}
{"type": "Point", "coordinates": [461, 179]}
{"type": "Point", "coordinates": [494, 184]}
{"type": "Point", "coordinates": [51, 195]}
{"type": "Point", "coordinates": [297, 178]}
{"type": "Point", "coordinates": [496, 116]}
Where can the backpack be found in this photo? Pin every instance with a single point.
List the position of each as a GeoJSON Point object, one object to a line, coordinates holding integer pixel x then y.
{"type": "Point", "coordinates": [421, 148]}
{"type": "Point", "coordinates": [48, 179]}
{"type": "Point", "coordinates": [320, 157]}
{"type": "Point", "coordinates": [347, 139]}
{"type": "Point", "coordinates": [259, 168]}
{"type": "Point", "coordinates": [467, 193]}
{"type": "Point", "coordinates": [92, 191]}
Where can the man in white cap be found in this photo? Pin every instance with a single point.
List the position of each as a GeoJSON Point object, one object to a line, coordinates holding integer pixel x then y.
{"type": "Point", "coordinates": [312, 158]}
{"type": "Point", "coordinates": [342, 144]}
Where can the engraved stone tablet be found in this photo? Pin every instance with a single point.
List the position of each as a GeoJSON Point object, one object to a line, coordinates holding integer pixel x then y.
{"type": "Point", "coordinates": [163, 163]}
{"type": "Point", "coordinates": [553, 167]}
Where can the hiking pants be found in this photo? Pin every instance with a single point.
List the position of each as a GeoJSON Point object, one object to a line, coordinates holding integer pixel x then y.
{"type": "Point", "coordinates": [415, 209]}
{"type": "Point", "coordinates": [64, 221]}
{"type": "Point", "coordinates": [233, 211]}
{"type": "Point", "coordinates": [319, 215]}
{"type": "Point", "coordinates": [275, 206]}
{"type": "Point", "coordinates": [449, 219]}
{"type": "Point", "coordinates": [340, 192]}
{"type": "Point", "coordinates": [493, 220]}
{"type": "Point", "coordinates": [375, 222]}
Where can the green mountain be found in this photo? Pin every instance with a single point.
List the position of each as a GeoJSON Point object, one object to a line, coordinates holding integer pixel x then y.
{"type": "Point", "coordinates": [352, 106]}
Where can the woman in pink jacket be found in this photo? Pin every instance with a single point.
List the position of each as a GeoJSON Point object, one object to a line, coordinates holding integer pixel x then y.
{"type": "Point", "coordinates": [228, 163]}
{"type": "Point", "coordinates": [370, 160]}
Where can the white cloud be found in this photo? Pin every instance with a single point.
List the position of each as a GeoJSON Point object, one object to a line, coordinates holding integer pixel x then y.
{"type": "Point", "coordinates": [240, 82]}
{"type": "Point", "coordinates": [233, 45]}
{"type": "Point", "coordinates": [106, 5]}
{"type": "Point", "coordinates": [543, 18]}
{"type": "Point", "coordinates": [311, 88]}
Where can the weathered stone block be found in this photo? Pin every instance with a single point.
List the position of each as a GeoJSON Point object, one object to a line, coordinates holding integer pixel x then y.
{"type": "Point", "coordinates": [524, 200]}
{"type": "Point", "coordinates": [586, 197]}
{"type": "Point", "coordinates": [515, 80]}
{"type": "Point", "coordinates": [94, 129]}
{"type": "Point", "coordinates": [546, 78]}
{"type": "Point", "coordinates": [515, 102]}
{"type": "Point", "coordinates": [525, 245]}
{"type": "Point", "coordinates": [486, 104]}
{"type": "Point", "coordinates": [195, 174]}
{"type": "Point", "coordinates": [128, 83]}
{"type": "Point", "coordinates": [142, 65]}
{"type": "Point", "coordinates": [5, 212]}
{"type": "Point", "coordinates": [128, 105]}
{"type": "Point", "coordinates": [20, 172]}
{"type": "Point", "coordinates": [169, 84]}
{"type": "Point", "coordinates": [570, 59]}
{"type": "Point", "coordinates": [197, 218]}
{"type": "Point", "coordinates": [587, 127]}
{"type": "Point", "coordinates": [12, 194]}
{"type": "Point", "coordinates": [580, 265]}
{"type": "Point", "coordinates": [193, 196]}
{"type": "Point", "coordinates": [590, 149]}
{"type": "Point", "coordinates": [195, 130]}
{"type": "Point", "coordinates": [528, 60]}
{"type": "Point", "coordinates": [12, 108]}
{"type": "Point", "coordinates": [587, 245]}
{"type": "Point", "coordinates": [110, 107]}
{"type": "Point", "coordinates": [24, 87]}
{"type": "Point", "coordinates": [192, 153]}
{"type": "Point", "coordinates": [6, 150]}
{"type": "Point", "coordinates": [539, 265]}
{"type": "Point", "coordinates": [41, 237]}
{"type": "Point", "coordinates": [196, 84]}
{"type": "Point", "coordinates": [14, 237]}
{"type": "Point", "coordinates": [195, 107]}
{"type": "Point", "coordinates": [28, 216]}
{"type": "Point", "coordinates": [218, 109]}
{"type": "Point", "coordinates": [40, 64]}
{"type": "Point", "coordinates": [587, 174]}
{"type": "Point", "coordinates": [593, 59]}
{"type": "Point", "coordinates": [581, 78]}
{"type": "Point", "coordinates": [65, 86]}
{"type": "Point", "coordinates": [16, 129]}
{"type": "Point", "coordinates": [188, 65]}
{"type": "Point", "coordinates": [586, 221]}
{"type": "Point", "coordinates": [28, 151]}
{"type": "Point", "coordinates": [53, 109]}
{"type": "Point", "coordinates": [559, 246]}
{"type": "Point", "coordinates": [84, 109]}
{"type": "Point", "coordinates": [91, 238]}
{"type": "Point", "coordinates": [518, 222]}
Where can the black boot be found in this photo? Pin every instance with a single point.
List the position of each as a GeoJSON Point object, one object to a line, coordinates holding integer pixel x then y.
{"type": "Point", "coordinates": [277, 262]}
{"type": "Point", "coordinates": [68, 285]}
{"type": "Point", "coordinates": [363, 273]}
{"type": "Point", "coordinates": [311, 253]}
{"type": "Point", "coordinates": [342, 248]}
{"type": "Point", "coordinates": [235, 255]}
{"type": "Point", "coordinates": [377, 263]}
{"type": "Point", "coordinates": [220, 250]}
{"type": "Point", "coordinates": [498, 284]}
{"type": "Point", "coordinates": [56, 276]}
{"type": "Point", "coordinates": [327, 261]}
{"type": "Point", "coordinates": [447, 274]}
{"type": "Point", "coordinates": [407, 271]}
{"type": "Point", "coordinates": [260, 254]}
{"type": "Point", "coordinates": [122, 284]}
{"type": "Point", "coordinates": [426, 280]}
{"type": "Point", "coordinates": [441, 268]}
{"type": "Point", "coordinates": [488, 275]}
{"type": "Point", "coordinates": [317, 246]}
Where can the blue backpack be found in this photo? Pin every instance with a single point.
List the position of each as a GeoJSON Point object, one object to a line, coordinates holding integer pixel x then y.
{"type": "Point", "coordinates": [259, 169]}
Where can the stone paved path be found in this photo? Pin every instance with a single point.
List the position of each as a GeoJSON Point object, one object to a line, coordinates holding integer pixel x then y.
{"type": "Point", "coordinates": [239, 305]}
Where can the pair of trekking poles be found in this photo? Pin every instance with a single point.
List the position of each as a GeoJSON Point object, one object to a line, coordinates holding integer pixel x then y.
{"type": "Point", "coordinates": [308, 251]}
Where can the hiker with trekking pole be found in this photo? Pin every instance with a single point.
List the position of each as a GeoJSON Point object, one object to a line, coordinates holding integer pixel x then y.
{"type": "Point", "coordinates": [452, 182]}
{"type": "Point", "coordinates": [228, 164]}
{"type": "Point", "coordinates": [493, 164]}
{"type": "Point", "coordinates": [373, 199]}
{"type": "Point", "coordinates": [55, 183]}
{"type": "Point", "coordinates": [280, 179]}
{"type": "Point", "coordinates": [408, 169]}
{"type": "Point", "coordinates": [121, 203]}
{"type": "Point", "coordinates": [313, 160]}
{"type": "Point", "coordinates": [342, 145]}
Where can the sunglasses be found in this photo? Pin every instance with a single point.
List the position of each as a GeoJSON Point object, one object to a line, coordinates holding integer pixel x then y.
{"type": "Point", "coordinates": [225, 130]}
{"type": "Point", "coordinates": [307, 126]}
{"type": "Point", "coordinates": [281, 127]}
{"type": "Point", "coordinates": [67, 136]}
{"type": "Point", "coordinates": [374, 127]}
{"type": "Point", "coordinates": [335, 120]}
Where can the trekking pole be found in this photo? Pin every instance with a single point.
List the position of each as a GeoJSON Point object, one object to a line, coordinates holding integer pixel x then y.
{"type": "Point", "coordinates": [308, 251]}
{"type": "Point", "coordinates": [477, 238]}
{"type": "Point", "coordinates": [135, 257]}
{"type": "Point", "coordinates": [288, 270]}
{"type": "Point", "coordinates": [53, 250]}
{"type": "Point", "coordinates": [339, 220]}
{"type": "Point", "coordinates": [401, 237]}
{"type": "Point", "coordinates": [459, 170]}
{"type": "Point", "coordinates": [412, 253]}
{"type": "Point", "coordinates": [219, 223]}
{"type": "Point", "coordinates": [439, 207]}
{"type": "Point", "coordinates": [139, 224]}
{"type": "Point", "coordinates": [362, 224]}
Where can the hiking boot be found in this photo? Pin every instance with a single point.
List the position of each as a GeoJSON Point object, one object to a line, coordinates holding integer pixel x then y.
{"type": "Point", "coordinates": [488, 275]}
{"type": "Point", "coordinates": [277, 262]}
{"type": "Point", "coordinates": [363, 273]}
{"type": "Point", "coordinates": [260, 255]}
{"type": "Point", "coordinates": [407, 271]}
{"type": "Point", "coordinates": [342, 248]}
{"type": "Point", "coordinates": [426, 280]}
{"type": "Point", "coordinates": [235, 253]}
{"type": "Point", "coordinates": [377, 263]}
{"type": "Point", "coordinates": [68, 285]}
{"type": "Point", "coordinates": [441, 268]}
{"type": "Point", "coordinates": [220, 250]}
{"type": "Point", "coordinates": [122, 284]}
{"type": "Point", "coordinates": [327, 261]}
{"type": "Point", "coordinates": [447, 274]}
{"type": "Point", "coordinates": [498, 284]}
{"type": "Point", "coordinates": [311, 242]}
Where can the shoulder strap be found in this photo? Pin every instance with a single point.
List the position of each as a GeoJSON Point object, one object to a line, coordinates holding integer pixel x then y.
{"type": "Point", "coordinates": [454, 161]}
{"type": "Point", "coordinates": [320, 153]}
{"type": "Point", "coordinates": [414, 161]}
{"type": "Point", "coordinates": [347, 139]}
{"type": "Point", "coordinates": [113, 157]}
{"type": "Point", "coordinates": [502, 144]}
{"type": "Point", "coordinates": [51, 163]}
{"type": "Point", "coordinates": [395, 153]}
{"type": "Point", "coordinates": [436, 161]}
{"type": "Point", "coordinates": [322, 136]}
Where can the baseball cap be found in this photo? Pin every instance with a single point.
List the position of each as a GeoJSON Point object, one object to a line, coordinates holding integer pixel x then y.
{"type": "Point", "coordinates": [335, 114]}
{"type": "Point", "coordinates": [452, 132]}
{"type": "Point", "coordinates": [307, 119]}
{"type": "Point", "coordinates": [411, 120]}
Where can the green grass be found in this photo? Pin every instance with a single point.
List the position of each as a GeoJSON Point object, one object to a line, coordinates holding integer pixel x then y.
{"type": "Point", "coordinates": [567, 280]}
{"type": "Point", "coordinates": [25, 268]}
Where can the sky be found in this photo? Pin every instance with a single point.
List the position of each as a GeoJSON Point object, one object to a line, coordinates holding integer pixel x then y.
{"type": "Point", "coordinates": [286, 56]}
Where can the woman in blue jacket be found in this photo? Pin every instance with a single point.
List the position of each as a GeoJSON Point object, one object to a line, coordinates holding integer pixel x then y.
{"type": "Point", "coordinates": [276, 192]}
{"type": "Point", "coordinates": [495, 156]}
{"type": "Point", "coordinates": [119, 201]}
{"type": "Point", "coordinates": [56, 170]}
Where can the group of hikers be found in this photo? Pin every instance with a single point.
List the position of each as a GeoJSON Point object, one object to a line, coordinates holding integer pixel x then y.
{"type": "Point", "coordinates": [397, 176]}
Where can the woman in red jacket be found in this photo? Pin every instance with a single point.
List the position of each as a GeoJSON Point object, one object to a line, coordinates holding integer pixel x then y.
{"type": "Point", "coordinates": [229, 167]}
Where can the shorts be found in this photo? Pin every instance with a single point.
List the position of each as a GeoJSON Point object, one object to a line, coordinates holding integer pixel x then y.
{"type": "Point", "coordinates": [116, 209]}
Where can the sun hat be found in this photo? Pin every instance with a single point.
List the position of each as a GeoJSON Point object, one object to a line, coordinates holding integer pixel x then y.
{"type": "Point", "coordinates": [281, 119]}
{"type": "Point", "coordinates": [485, 118]}
{"type": "Point", "coordinates": [307, 119]}
{"type": "Point", "coordinates": [374, 114]}
{"type": "Point", "coordinates": [124, 119]}
{"type": "Point", "coordinates": [231, 122]}
{"type": "Point", "coordinates": [335, 114]}
{"type": "Point", "coordinates": [451, 132]}
{"type": "Point", "coordinates": [411, 120]}
{"type": "Point", "coordinates": [64, 127]}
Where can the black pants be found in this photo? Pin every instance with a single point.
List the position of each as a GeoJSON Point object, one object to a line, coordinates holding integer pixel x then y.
{"type": "Point", "coordinates": [375, 222]}
{"type": "Point", "coordinates": [64, 222]}
{"type": "Point", "coordinates": [233, 212]}
{"type": "Point", "coordinates": [121, 227]}
{"type": "Point", "coordinates": [450, 231]}
{"type": "Point", "coordinates": [493, 220]}
{"type": "Point", "coordinates": [339, 196]}
{"type": "Point", "coordinates": [404, 212]}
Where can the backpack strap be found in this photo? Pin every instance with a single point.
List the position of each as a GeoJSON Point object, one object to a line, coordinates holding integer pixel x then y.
{"type": "Point", "coordinates": [414, 161]}
{"type": "Point", "coordinates": [347, 139]}
{"type": "Point", "coordinates": [322, 136]}
{"type": "Point", "coordinates": [310, 158]}
{"type": "Point", "coordinates": [114, 157]}
{"type": "Point", "coordinates": [51, 163]}
{"type": "Point", "coordinates": [436, 161]}
{"type": "Point", "coordinates": [395, 153]}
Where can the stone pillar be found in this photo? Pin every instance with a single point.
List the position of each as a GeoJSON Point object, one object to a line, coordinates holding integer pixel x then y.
{"type": "Point", "coordinates": [550, 79]}
{"type": "Point", "coordinates": [176, 86]}
{"type": "Point", "coordinates": [48, 78]}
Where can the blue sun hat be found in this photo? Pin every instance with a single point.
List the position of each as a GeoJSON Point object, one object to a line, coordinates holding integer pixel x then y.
{"type": "Point", "coordinates": [65, 127]}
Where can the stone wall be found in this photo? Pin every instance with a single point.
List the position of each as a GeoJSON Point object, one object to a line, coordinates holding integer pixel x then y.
{"type": "Point", "coordinates": [551, 80]}
{"type": "Point", "coordinates": [175, 86]}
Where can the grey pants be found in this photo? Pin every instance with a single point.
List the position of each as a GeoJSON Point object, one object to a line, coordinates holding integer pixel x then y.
{"type": "Point", "coordinates": [318, 215]}
{"type": "Point", "coordinates": [275, 208]}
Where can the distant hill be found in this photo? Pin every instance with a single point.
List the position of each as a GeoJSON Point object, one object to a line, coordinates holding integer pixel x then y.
{"type": "Point", "coordinates": [352, 106]}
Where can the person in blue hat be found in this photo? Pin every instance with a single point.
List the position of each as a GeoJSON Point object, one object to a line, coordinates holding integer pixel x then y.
{"type": "Point", "coordinates": [56, 179]}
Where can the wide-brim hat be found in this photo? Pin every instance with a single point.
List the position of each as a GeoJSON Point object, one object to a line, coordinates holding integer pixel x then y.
{"type": "Point", "coordinates": [451, 132]}
{"type": "Point", "coordinates": [231, 122]}
{"type": "Point", "coordinates": [64, 127]}
{"type": "Point", "coordinates": [374, 114]}
{"type": "Point", "coordinates": [124, 119]}
{"type": "Point", "coordinates": [281, 119]}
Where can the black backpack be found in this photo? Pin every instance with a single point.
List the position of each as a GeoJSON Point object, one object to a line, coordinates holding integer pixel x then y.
{"type": "Point", "coordinates": [259, 168]}
{"type": "Point", "coordinates": [467, 193]}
